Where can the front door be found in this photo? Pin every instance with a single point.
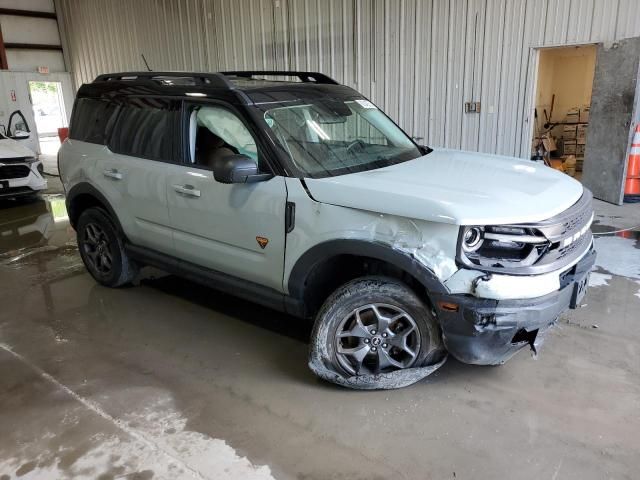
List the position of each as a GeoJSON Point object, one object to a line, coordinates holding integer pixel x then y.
{"type": "Point", "coordinates": [236, 229]}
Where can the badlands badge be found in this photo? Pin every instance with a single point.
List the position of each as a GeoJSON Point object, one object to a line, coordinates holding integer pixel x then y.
{"type": "Point", "coordinates": [262, 241]}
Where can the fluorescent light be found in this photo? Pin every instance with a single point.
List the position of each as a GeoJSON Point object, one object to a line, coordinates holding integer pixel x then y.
{"type": "Point", "coordinates": [196, 94]}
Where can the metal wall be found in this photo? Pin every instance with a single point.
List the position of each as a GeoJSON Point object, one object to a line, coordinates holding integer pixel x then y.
{"type": "Point", "coordinates": [418, 60]}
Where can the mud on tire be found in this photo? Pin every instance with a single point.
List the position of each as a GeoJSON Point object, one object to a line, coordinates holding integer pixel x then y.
{"type": "Point", "coordinates": [102, 249]}
{"type": "Point", "coordinates": [375, 333]}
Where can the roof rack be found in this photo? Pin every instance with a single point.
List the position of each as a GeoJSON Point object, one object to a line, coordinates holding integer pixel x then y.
{"type": "Point", "coordinates": [307, 77]}
{"type": "Point", "coordinates": [209, 79]}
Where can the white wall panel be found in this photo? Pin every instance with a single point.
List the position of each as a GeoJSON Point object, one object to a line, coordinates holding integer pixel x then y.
{"type": "Point", "coordinates": [16, 29]}
{"type": "Point", "coordinates": [420, 60]}
{"type": "Point", "coordinates": [22, 60]}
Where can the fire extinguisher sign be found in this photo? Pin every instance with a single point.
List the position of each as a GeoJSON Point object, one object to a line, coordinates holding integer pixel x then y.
{"type": "Point", "coordinates": [13, 95]}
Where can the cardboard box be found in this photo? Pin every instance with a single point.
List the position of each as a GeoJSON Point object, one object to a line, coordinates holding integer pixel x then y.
{"type": "Point", "coordinates": [569, 148]}
{"type": "Point", "coordinates": [580, 149]}
{"type": "Point", "coordinates": [573, 115]}
{"type": "Point", "coordinates": [584, 114]}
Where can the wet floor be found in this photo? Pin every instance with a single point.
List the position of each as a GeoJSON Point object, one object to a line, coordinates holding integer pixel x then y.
{"type": "Point", "coordinates": [168, 379]}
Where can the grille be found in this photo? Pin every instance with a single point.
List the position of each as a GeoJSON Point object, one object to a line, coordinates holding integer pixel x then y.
{"type": "Point", "coordinates": [8, 161]}
{"type": "Point", "coordinates": [569, 222]}
{"type": "Point", "coordinates": [14, 171]}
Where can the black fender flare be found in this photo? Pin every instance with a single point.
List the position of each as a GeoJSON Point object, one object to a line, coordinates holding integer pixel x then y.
{"type": "Point", "coordinates": [85, 188]}
{"type": "Point", "coordinates": [362, 248]}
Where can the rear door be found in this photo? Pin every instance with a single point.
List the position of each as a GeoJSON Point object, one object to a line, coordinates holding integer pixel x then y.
{"type": "Point", "coordinates": [144, 139]}
{"type": "Point", "coordinates": [236, 229]}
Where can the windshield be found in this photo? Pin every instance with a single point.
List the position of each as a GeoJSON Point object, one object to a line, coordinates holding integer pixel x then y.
{"type": "Point", "coordinates": [331, 137]}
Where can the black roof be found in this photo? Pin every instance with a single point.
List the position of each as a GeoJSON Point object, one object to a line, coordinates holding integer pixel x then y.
{"type": "Point", "coordinates": [248, 87]}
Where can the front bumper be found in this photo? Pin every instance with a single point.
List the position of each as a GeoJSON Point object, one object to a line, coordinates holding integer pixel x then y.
{"type": "Point", "coordinates": [29, 184]}
{"type": "Point", "coordinates": [489, 332]}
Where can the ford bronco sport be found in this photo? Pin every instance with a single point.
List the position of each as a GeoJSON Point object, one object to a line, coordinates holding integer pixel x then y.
{"type": "Point", "coordinates": [292, 191]}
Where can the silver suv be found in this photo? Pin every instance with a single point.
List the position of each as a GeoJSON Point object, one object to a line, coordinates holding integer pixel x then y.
{"type": "Point", "coordinates": [300, 194]}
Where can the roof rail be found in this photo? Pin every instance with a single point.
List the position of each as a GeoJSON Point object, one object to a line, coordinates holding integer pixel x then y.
{"type": "Point", "coordinates": [310, 77]}
{"type": "Point", "coordinates": [209, 79]}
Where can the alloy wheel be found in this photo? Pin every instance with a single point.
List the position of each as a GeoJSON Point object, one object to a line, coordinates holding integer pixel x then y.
{"type": "Point", "coordinates": [96, 248]}
{"type": "Point", "coordinates": [377, 338]}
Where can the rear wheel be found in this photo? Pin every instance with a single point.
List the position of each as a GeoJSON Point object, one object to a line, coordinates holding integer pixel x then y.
{"type": "Point", "coordinates": [102, 249]}
{"type": "Point", "coordinates": [375, 325]}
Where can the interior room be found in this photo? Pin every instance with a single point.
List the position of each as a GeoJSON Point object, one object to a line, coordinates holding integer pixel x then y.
{"type": "Point", "coordinates": [563, 100]}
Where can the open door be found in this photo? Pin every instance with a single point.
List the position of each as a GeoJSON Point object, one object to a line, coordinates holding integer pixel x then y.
{"type": "Point", "coordinates": [613, 107]}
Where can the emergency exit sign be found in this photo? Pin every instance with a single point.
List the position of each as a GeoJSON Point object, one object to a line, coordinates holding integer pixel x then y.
{"type": "Point", "coordinates": [43, 70]}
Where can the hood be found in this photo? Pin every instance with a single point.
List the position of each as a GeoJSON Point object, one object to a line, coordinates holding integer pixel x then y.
{"type": "Point", "coordinates": [10, 148]}
{"type": "Point", "coordinates": [464, 188]}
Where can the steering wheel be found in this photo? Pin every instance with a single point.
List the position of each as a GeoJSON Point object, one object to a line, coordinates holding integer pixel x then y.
{"type": "Point", "coordinates": [356, 143]}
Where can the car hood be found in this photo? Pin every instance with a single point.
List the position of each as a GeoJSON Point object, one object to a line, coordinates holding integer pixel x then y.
{"type": "Point", "coordinates": [10, 148]}
{"type": "Point", "coordinates": [464, 188]}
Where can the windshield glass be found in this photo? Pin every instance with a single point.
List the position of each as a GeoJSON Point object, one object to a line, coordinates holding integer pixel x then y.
{"type": "Point", "coordinates": [329, 137]}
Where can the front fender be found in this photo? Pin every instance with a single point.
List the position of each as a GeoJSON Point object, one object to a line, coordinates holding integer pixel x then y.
{"type": "Point", "coordinates": [362, 248]}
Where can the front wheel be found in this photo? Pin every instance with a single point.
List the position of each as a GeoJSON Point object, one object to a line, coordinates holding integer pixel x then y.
{"type": "Point", "coordinates": [372, 327]}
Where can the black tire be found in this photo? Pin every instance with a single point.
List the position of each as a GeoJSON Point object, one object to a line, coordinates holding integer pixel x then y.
{"type": "Point", "coordinates": [99, 241]}
{"type": "Point", "coordinates": [390, 297]}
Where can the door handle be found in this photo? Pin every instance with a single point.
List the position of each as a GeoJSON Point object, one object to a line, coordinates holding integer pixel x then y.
{"type": "Point", "coordinates": [187, 190]}
{"type": "Point", "coordinates": [112, 173]}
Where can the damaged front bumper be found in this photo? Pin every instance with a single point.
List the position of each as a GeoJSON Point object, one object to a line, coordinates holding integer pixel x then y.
{"type": "Point", "coordinates": [489, 332]}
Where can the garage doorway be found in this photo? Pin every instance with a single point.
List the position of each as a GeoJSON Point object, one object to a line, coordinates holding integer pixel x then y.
{"type": "Point", "coordinates": [49, 113]}
{"type": "Point", "coordinates": [562, 106]}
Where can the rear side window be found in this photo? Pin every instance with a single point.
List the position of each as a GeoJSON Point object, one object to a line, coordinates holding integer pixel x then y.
{"type": "Point", "coordinates": [147, 128]}
{"type": "Point", "coordinates": [90, 120]}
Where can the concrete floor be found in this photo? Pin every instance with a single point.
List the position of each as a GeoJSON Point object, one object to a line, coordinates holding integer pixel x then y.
{"type": "Point", "coordinates": [171, 380]}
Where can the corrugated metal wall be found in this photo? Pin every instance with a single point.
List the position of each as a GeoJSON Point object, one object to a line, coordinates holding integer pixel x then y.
{"type": "Point", "coordinates": [418, 60]}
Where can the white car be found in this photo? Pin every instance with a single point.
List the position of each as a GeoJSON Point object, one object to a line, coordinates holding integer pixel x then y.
{"type": "Point", "coordinates": [21, 172]}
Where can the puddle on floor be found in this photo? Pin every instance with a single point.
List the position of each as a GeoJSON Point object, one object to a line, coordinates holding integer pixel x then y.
{"type": "Point", "coordinates": [36, 235]}
{"type": "Point", "coordinates": [618, 251]}
{"type": "Point", "coordinates": [41, 224]}
{"type": "Point", "coordinates": [600, 230]}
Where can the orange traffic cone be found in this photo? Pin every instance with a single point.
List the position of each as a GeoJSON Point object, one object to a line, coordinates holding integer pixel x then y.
{"type": "Point", "coordinates": [632, 183]}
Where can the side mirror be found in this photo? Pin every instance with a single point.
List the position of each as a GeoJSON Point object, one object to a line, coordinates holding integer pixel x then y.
{"type": "Point", "coordinates": [238, 169]}
{"type": "Point", "coordinates": [20, 135]}
{"type": "Point", "coordinates": [424, 149]}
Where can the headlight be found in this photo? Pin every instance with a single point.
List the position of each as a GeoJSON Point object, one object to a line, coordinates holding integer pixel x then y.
{"type": "Point", "coordinates": [472, 238]}
{"type": "Point", "coordinates": [501, 246]}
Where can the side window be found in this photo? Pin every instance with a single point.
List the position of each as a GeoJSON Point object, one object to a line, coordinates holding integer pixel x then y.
{"type": "Point", "coordinates": [215, 133]}
{"type": "Point", "coordinates": [147, 127]}
{"type": "Point", "coordinates": [91, 117]}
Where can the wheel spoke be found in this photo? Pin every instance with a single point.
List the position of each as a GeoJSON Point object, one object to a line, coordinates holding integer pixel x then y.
{"type": "Point", "coordinates": [358, 329]}
{"type": "Point", "coordinates": [385, 360]}
{"type": "Point", "coordinates": [399, 340]}
{"type": "Point", "coordinates": [91, 254]}
{"type": "Point", "coordinates": [90, 235]}
{"type": "Point", "coordinates": [357, 353]}
{"type": "Point", "coordinates": [106, 261]}
{"type": "Point", "coordinates": [98, 262]}
{"type": "Point", "coordinates": [382, 322]}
